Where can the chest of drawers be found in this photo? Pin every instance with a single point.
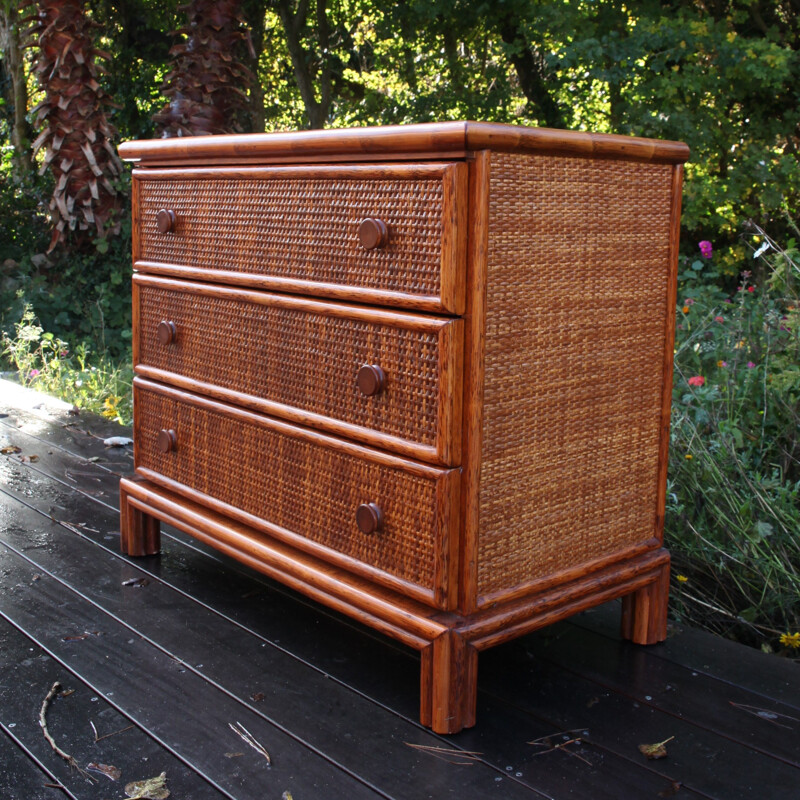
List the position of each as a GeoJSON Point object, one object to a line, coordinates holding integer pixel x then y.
{"type": "Point", "coordinates": [421, 374]}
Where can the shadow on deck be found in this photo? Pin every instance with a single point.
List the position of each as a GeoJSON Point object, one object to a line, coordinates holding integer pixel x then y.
{"type": "Point", "coordinates": [165, 654]}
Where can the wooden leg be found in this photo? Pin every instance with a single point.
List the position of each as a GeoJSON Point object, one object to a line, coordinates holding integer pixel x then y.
{"type": "Point", "coordinates": [140, 534]}
{"type": "Point", "coordinates": [644, 613]}
{"type": "Point", "coordinates": [449, 684]}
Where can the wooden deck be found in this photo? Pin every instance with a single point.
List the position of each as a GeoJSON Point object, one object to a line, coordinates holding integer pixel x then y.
{"type": "Point", "coordinates": [164, 654]}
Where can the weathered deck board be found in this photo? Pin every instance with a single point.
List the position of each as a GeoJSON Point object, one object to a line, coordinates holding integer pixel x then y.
{"type": "Point", "coordinates": [674, 689]}
{"type": "Point", "coordinates": [772, 678]}
{"type": "Point", "coordinates": [21, 778]}
{"type": "Point", "coordinates": [343, 698]}
{"type": "Point", "coordinates": [28, 673]}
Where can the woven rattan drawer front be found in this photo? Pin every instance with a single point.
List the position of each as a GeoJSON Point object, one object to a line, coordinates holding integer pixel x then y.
{"type": "Point", "coordinates": [300, 360]}
{"type": "Point", "coordinates": [302, 487]}
{"type": "Point", "coordinates": [299, 229]}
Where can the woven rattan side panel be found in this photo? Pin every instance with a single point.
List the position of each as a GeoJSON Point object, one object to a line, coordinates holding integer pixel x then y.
{"type": "Point", "coordinates": [304, 228]}
{"type": "Point", "coordinates": [576, 320]}
{"type": "Point", "coordinates": [298, 358]}
{"type": "Point", "coordinates": [297, 484]}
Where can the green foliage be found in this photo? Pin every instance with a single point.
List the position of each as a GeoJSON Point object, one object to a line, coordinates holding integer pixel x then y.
{"type": "Point", "coordinates": [734, 495]}
{"type": "Point", "coordinates": [90, 381]}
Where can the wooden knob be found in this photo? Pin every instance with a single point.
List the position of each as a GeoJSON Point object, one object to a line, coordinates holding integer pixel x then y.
{"type": "Point", "coordinates": [166, 220]}
{"type": "Point", "coordinates": [167, 332]}
{"type": "Point", "coordinates": [373, 233]}
{"type": "Point", "coordinates": [167, 440]}
{"type": "Point", "coordinates": [369, 518]}
{"type": "Point", "coordinates": [371, 379]}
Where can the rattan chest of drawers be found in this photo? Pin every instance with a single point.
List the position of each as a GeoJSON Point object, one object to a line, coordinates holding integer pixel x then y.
{"type": "Point", "coordinates": [421, 374]}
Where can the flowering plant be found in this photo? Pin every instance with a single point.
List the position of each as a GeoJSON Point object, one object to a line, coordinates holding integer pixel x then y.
{"type": "Point", "coordinates": [733, 508]}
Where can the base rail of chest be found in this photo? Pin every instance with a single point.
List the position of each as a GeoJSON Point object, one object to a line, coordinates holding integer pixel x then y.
{"type": "Point", "coordinates": [449, 642]}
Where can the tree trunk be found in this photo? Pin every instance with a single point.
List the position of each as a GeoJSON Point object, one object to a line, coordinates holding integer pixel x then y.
{"type": "Point", "coordinates": [253, 11]}
{"type": "Point", "coordinates": [294, 20]}
{"type": "Point", "coordinates": [530, 73]}
{"type": "Point", "coordinates": [18, 99]}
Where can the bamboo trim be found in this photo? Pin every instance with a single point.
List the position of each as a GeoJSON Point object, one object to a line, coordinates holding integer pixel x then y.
{"type": "Point", "coordinates": [319, 551]}
{"type": "Point", "coordinates": [396, 319]}
{"type": "Point", "coordinates": [337, 589]}
{"type": "Point", "coordinates": [334, 291]}
{"type": "Point", "coordinates": [404, 447]}
{"type": "Point", "coordinates": [474, 349]}
{"type": "Point", "coordinates": [401, 140]}
{"type": "Point", "coordinates": [567, 575]}
{"type": "Point", "coordinates": [669, 348]}
{"type": "Point", "coordinates": [340, 445]}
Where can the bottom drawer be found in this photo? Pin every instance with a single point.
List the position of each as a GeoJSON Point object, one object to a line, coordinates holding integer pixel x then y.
{"type": "Point", "coordinates": [305, 488]}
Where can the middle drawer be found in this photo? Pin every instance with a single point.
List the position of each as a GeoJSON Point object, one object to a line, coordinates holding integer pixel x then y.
{"type": "Point", "coordinates": [386, 378]}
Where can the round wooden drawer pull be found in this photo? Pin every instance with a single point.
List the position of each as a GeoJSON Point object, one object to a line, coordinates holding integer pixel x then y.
{"type": "Point", "coordinates": [373, 233]}
{"type": "Point", "coordinates": [166, 220]}
{"type": "Point", "coordinates": [371, 379]}
{"type": "Point", "coordinates": [369, 518]}
{"type": "Point", "coordinates": [167, 440]}
{"type": "Point", "coordinates": [167, 332]}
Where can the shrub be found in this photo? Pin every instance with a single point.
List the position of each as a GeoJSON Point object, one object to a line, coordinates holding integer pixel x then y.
{"type": "Point", "coordinates": [91, 381]}
{"type": "Point", "coordinates": [733, 510]}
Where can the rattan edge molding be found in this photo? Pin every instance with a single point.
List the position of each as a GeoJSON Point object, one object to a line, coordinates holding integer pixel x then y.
{"type": "Point", "coordinates": [400, 140]}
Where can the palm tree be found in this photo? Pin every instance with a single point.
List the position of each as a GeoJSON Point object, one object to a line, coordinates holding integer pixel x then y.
{"type": "Point", "coordinates": [75, 132]}
{"type": "Point", "coordinates": [207, 87]}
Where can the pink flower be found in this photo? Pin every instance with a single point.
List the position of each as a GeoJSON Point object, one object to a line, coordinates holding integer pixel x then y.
{"type": "Point", "coordinates": [751, 288]}
{"type": "Point", "coordinates": [698, 380]}
{"type": "Point", "coordinates": [688, 301]}
{"type": "Point", "coordinates": [719, 319]}
{"type": "Point", "coordinates": [750, 365]}
{"type": "Point", "coordinates": [746, 273]}
{"type": "Point", "coordinates": [33, 373]}
{"type": "Point", "coordinates": [705, 248]}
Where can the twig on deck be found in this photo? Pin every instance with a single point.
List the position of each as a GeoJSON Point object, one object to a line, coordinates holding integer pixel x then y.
{"type": "Point", "coordinates": [54, 690]}
{"type": "Point", "coordinates": [464, 758]}
{"type": "Point", "coordinates": [765, 714]}
{"type": "Point", "coordinates": [250, 739]}
{"type": "Point", "coordinates": [546, 741]}
{"type": "Point", "coordinates": [98, 738]}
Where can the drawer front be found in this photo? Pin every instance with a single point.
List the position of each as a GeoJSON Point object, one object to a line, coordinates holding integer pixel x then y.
{"type": "Point", "coordinates": [302, 360]}
{"type": "Point", "coordinates": [299, 229]}
{"type": "Point", "coordinates": [302, 487]}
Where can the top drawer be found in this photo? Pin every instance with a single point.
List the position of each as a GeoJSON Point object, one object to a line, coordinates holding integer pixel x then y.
{"type": "Point", "coordinates": [297, 229]}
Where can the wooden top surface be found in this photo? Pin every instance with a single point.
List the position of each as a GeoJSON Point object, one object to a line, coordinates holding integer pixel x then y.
{"type": "Point", "coordinates": [401, 141]}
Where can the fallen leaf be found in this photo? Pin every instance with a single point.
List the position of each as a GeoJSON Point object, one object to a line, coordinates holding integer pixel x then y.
{"type": "Point", "coordinates": [29, 459]}
{"type": "Point", "coordinates": [287, 796]}
{"type": "Point", "coordinates": [150, 789]}
{"type": "Point", "coordinates": [66, 692]}
{"type": "Point", "coordinates": [94, 459]}
{"type": "Point", "coordinates": [117, 441]}
{"type": "Point", "coordinates": [258, 697]}
{"type": "Point", "coordinates": [109, 770]}
{"type": "Point", "coordinates": [9, 449]}
{"type": "Point", "coordinates": [673, 789]}
{"type": "Point", "coordinates": [136, 582]}
{"type": "Point", "coordinates": [655, 751]}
